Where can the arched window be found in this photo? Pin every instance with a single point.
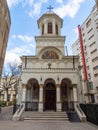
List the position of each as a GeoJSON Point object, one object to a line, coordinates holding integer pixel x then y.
{"type": "Point", "coordinates": [50, 27]}
{"type": "Point", "coordinates": [42, 29]}
{"type": "Point", "coordinates": [56, 29]}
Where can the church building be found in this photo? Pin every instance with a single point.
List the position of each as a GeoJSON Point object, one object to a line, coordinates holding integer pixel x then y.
{"type": "Point", "coordinates": [50, 80]}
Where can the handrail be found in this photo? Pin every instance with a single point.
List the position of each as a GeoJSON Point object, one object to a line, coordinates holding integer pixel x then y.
{"type": "Point", "coordinates": [80, 109]}
{"type": "Point", "coordinates": [80, 113]}
{"type": "Point", "coordinates": [18, 113]}
{"type": "Point", "coordinates": [19, 109]}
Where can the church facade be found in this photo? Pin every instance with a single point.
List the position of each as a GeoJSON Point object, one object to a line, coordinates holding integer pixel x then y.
{"type": "Point", "coordinates": [50, 80]}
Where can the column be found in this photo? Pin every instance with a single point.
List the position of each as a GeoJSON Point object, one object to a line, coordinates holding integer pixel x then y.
{"type": "Point", "coordinates": [58, 99]}
{"type": "Point", "coordinates": [23, 93]}
{"type": "Point", "coordinates": [40, 107]}
{"type": "Point", "coordinates": [75, 99]}
{"type": "Point", "coordinates": [45, 28]}
{"type": "Point", "coordinates": [53, 27]}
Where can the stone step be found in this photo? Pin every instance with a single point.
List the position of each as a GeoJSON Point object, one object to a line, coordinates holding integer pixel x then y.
{"type": "Point", "coordinates": [46, 116]}
{"type": "Point", "coordinates": [63, 119]}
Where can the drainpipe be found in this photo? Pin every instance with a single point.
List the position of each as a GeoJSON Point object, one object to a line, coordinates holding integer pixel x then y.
{"type": "Point", "coordinates": [83, 61]}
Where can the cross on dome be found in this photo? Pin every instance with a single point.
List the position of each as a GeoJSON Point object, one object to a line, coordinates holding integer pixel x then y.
{"type": "Point", "coordinates": [50, 8]}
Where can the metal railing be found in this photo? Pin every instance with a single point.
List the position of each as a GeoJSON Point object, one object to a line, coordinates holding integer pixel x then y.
{"type": "Point", "coordinates": [67, 106]}
{"type": "Point", "coordinates": [31, 106]}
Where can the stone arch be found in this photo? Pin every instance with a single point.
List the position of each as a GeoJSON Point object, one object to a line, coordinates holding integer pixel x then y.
{"type": "Point", "coordinates": [32, 89]}
{"type": "Point", "coordinates": [32, 82]}
{"type": "Point", "coordinates": [67, 82]}
{"type": "Point", "coordinates": [50, 48]}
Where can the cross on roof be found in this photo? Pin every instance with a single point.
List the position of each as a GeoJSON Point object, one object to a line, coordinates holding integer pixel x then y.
{"type": "Point", "coordinates": [49, 66]}
{"type": "Point", "coordinates": [50, 8]}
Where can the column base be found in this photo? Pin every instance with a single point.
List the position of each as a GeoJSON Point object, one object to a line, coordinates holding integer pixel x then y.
{"type": "Point", "coordinates": [58, 106]}
{"type": "Point", "coordinates": [40, 107]}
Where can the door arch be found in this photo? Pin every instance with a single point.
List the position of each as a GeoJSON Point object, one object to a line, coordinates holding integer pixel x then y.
{"type": "Point", "coordinates": [50, 95]}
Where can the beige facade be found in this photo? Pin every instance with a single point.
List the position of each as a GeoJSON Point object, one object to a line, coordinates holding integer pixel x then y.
{"type": "Point", "coordinates": [5, 22]}
{"type": "Point", "coordinates": [50, 80]}
{"type": "Point", "coordinates": [97, 3]}
{"type": "Point", "coordinates": [12, 84]}
{"type": "Point", "coordinates": [90, 43]}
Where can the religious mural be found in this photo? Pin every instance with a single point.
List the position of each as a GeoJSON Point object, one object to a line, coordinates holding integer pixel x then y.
{"type": "Point", "coordinates": [50, 55]}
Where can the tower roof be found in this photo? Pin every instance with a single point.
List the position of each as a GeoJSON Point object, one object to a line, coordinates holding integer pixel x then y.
{"type": "Point", "coordinates": [50, 14]}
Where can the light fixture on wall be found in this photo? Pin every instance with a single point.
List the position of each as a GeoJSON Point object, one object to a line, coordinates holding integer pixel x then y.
{"type": "Point", "coordinates": [41, 79]}
{"type": "Point", "coordinates": [58, 78]}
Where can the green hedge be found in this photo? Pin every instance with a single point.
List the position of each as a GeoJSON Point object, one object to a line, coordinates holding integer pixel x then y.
{"type": "Point", "coordinates": [91, 111]}
{"type": "Point", "coordinates": [2, 104]}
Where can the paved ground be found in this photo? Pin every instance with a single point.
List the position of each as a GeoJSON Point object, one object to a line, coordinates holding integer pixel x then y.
{"type": "Point", "coordinates": [7, 124]}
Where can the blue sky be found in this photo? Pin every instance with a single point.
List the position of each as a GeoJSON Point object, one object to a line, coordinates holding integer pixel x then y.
{"type": "Point", "coordinates": [24, 16]}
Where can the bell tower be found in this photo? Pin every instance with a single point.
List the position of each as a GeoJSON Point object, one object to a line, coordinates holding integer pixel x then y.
{"type": "Point", "coordinates": [50, 25]}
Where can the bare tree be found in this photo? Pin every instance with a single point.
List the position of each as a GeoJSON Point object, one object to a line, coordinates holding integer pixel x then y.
{"type": "Point", "coordinates": [10, 79]}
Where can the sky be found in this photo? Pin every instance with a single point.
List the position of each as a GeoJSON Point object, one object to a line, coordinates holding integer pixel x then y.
{"type": "Point", "coordinates": [24, 28]}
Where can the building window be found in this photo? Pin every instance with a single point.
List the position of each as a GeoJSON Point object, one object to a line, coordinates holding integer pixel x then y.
{"type": "Point", "coordinates": [91, 37]}
{"type": "Point", "coordinates": [50, 27]}
{"type": "Point", "coordinates": [87, 67]}
{"type": "Point", "coordinates": [42, 29]}
{"type": "Point", "coordinates": [83, 34]}
{"type": "Point", "coordinates": [90, 84]}
{"type": "Point", "coordinates": [96, 75]}
{"type": "Point", "coordinates": [92, 44]}
{"type": "Point", "coordinates": [95, 68]}
{"type": "Point", "coordinates": [9, 97]}
{"type": "Point", "coordinates": [92, 98]}
{"type": "Point", "coordinates": [82, 29]}
{"type": "Point", "coordinates": [90, 30]}
{"type": "Point", "coordinates": [94, 51]}
{"type": "Point", "coordinates": [86, 53]}
{"type": "Point", "coordinates": [88, 23]}
{"type": "Point", "coordinates": [56, 29]}
{"type": "Point", "coordinates": [95, 59]}
{"type": "Point", "coordinates": [85, 47]}
{"type": "Point", "coordinates": [89, 75]}
{"type": "Point", "coordinates": [84, 40]}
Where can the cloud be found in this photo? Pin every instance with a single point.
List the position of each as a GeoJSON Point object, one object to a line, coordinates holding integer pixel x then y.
{"type": "Point", "coordinates": [76, 31]}
{"type": "Point", "coordinates": [23, 38]}
{"type": "Point", "coordinates": [36, 8]}
{"type": "Point", "coordinates": [59, 1]}
{"type": "Point", "coordinates": [12, 58]}
{"type": "Point", "coordinates": [69, 9]}
{"type": "Point", "coordinates": [27, 49]}
{"type": "Point", "coordinates": [13, 2]}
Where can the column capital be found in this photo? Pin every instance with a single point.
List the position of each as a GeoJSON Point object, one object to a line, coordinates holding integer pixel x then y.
{"type": "Point", "coordinates": [74, 85]}
{"type": "Point", "coordinates": [23, 85]}
{"type": "Point", "coordinates": [58, 85]}
{"type": "Point", "coordinates": [41, 85]}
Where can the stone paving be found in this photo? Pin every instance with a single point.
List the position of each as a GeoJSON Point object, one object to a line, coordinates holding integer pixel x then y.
{"type": "Point", "coordinates": [7, 124]}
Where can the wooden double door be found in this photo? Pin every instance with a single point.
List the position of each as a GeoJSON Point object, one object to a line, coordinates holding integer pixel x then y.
{"type": "Point", "coordinates": [50, 100]}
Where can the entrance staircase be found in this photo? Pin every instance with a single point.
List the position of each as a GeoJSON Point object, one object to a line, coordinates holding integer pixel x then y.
{"type": "Point", "coordinates": [46, 116]}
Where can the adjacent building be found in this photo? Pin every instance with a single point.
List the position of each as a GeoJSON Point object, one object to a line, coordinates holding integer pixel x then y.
{"type": "Point", "coordinates": [5, 23]}
{"type": "Point", "coordinates": [9, 89]}
{"type": "Point", "coordinates": [89, 31]}
{"type": "Point", "coordinates": [97, 3]}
